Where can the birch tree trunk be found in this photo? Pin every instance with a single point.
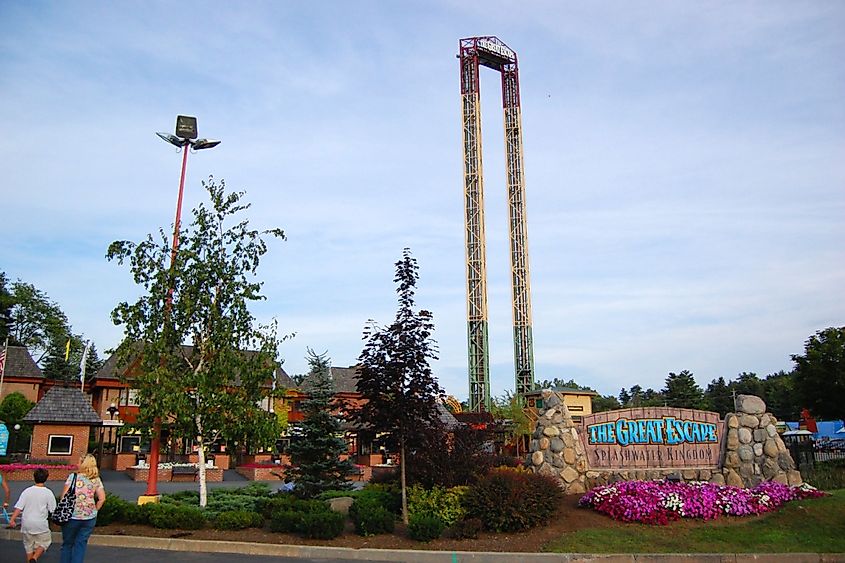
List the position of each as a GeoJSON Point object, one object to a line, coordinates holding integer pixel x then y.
{"type": "Point", "coordinates": [201, 463]}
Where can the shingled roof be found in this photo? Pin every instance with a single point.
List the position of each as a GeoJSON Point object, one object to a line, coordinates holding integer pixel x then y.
{"type": "Point", "coordinates": [63, 405]}
{"type": "Point", "coordinates": [20, 364]}
{"type": "Point", "coordinates": [344, 380]}
{"type": "Point", "coordinates": [110, 370]}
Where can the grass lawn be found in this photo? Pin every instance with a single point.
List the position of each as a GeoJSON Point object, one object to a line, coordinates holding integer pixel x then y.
{"type": "Point", "coordinates": [810, 525]}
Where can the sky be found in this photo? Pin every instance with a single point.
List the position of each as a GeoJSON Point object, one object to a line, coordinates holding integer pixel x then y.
{"type": "Point", "coordinates": [684, 165]}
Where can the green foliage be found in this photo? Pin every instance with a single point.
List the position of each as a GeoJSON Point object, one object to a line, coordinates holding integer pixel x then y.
{"type": "Point", "coordinates": [446, 504]}
{"type": "Point", "coordinates": [175, 517]}
{"type": "Point", "coordinates": [37, 323]}
{"type": "Point", "coordinates": [238, 520]}
{"type": "Point", "coordinates": [286, 521]}
{"type": "Point", "coordinates": [682, 391]}
{"type": "Point", "coordinates": [288, 502]}
{"type": "Point", "coordinates": [509, 500]}
{"type": "Point", "coordinates": [113, 510]}
{"type": "Point", "coordinates": [371, 519]}
{"type": "Point", "coordinates": [12, 410]}
{"type": "Point", "coordinates": [820, 374]}
{"type": "Point", "coordinates": [386, 495]}
{"type": "Point", "coordinates": [468, 528]}
{"type": "Point", "coordinates": [204, 298]}
{"type": "Point", "coordinates": [315, 454]}
{"type": "Point", "coordinates": [424, 526]}
{"type": "Point", "coordinates": [322, 525]}
{"type": "Point", "coordinates": [602, 403]}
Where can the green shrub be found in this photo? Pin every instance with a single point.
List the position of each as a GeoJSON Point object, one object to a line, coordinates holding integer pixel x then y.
{"type": "Point", "coordinates": [176, 517]}
{"type": "Point", "coordinates": [181, 497]}
{"type": "Point", "coordinates": [113, 510]}
{"type": "Point", "coordinates": [425, 527]}
{"type": "Point", "coordinates": [444, 503]}
{"type": "Point", "coordinates": [508, 500]}
{"type": "Point", "coordinates": [826, 475]}
{"type": "Point", "coordinates": [286, 521]}
{"type": "Point", "coordinates": [328, 495]}
{"type": "Point", "coordinates": [322, 525]}
{"type": "Point", "coordinates": [468, 529]}
{"type": "Point", "coordinates": [238, 520]}
{"type": "Point", "coordinates": [388, 496]}
{"type": "Point", "coordinates": [138, 514]}
{"type": "Point", "coordinates": [288, 502]}
{"type": "Point", "coordinates": [371, 518]}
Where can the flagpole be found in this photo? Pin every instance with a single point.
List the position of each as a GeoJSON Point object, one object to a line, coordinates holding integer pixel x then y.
{"type": "Point", "coordinates": [83, 365]}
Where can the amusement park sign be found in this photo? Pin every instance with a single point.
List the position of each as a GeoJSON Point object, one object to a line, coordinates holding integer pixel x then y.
{"type": "Point", "coordinates": [496, 49]}
{"type": "Point", "coordinates": [651, 438]}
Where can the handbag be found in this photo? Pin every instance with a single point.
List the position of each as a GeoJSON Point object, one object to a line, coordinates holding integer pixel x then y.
{"type": "Point", "coordinates": [64, 508]}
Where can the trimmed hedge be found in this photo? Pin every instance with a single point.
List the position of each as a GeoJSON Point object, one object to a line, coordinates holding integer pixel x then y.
{"type": "Point", "coordinates": [238, 520]}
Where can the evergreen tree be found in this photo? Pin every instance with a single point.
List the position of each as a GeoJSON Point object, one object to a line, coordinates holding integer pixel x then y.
{"type": "Point", "coordinates": [56, 367]}
{"type": "Point", "coordinates": [603, 403]}
{"type": "Point", "coordinates": [748, 383]}
{"type": "Point", "coordinates": [395, 377]}
{"type": "Point", "coordinates": [315, 453]}
{"type": "Point", "coordinates": [718, 397]}
{"type": "Point", "coordinates": [636, 397]}
{"type": "Point", "coordinates": [624, 398]}
{"type": "Point", "coordinates": [682, 391]}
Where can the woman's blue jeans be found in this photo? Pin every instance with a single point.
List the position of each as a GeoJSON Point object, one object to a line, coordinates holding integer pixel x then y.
{"type": "Point", "coordinates": [75, 539]}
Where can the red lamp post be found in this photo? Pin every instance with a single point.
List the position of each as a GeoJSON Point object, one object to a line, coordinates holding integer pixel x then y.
{"type": "Point", "coordinates": [185, 138]}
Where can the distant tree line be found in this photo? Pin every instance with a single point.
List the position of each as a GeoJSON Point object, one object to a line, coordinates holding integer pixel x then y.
{"type": "Point", "coordinates": [817, 382]}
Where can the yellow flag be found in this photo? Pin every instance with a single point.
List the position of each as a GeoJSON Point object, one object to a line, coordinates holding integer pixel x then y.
{"type": "Point", "coordinates": [67, 349]}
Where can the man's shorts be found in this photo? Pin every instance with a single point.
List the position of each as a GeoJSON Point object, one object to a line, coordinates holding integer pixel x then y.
{"type": "Point", "coordinates": [31, 542]}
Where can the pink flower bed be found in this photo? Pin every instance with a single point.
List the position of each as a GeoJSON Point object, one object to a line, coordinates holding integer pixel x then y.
{"type": "Point", "coordinates": [660, 502]}
{"type": "Point", "coordinates": [23, 471]}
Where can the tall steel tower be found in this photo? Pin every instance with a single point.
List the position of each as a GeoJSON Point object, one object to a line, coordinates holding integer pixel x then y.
{"type": "Point", "coordinates": [493, 53]}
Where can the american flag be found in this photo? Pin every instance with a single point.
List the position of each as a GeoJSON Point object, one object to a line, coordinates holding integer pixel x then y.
{"type": "Point", "coordinates": [3, 362]}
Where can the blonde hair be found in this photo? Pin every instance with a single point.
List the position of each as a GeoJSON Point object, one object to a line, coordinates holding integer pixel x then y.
{"type": "Point", "coordinates": [88, 466]}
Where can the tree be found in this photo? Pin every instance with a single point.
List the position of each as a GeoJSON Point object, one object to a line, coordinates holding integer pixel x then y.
{"type": "Point", "coordinates": [781, 398]}
{"type": "Point", "coordinates": [682, 391]}
{"type": "Point", "coordinates": [315, 453]}
{"type": "Point", "coordinates": [603, 403]}
{"type": "Point", "coordinates": [748, 383]}
{"type": "Point", "coordinates": [6, 303]}
{"type": "Point", "coordinates": [35, 321]}
{"type": "Point", "coordinates": [558, 383]}
{"type": "Point", "coordinates": [624, 398]}
{"type": "Point", "coordinates": [718, 397]}
{"type": "Point", "coordinates": [820, 373]}
{"type": "Point", "coordinates": [395, 378]}
{"type": "Point", "coordinates": [12, 410]}
{"type": "Point", "coordinates": [510, 407]}
{"type": "Point", "coordinates": [215, 385]}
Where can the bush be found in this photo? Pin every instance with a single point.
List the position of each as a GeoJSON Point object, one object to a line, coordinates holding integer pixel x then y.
{"type": "Point", "coordinates": [138, 514]}
{"type": "Point", "coordinates": [468, 528]}
{"type": "Point", "coordinates": [322, 525]}
{"type": "Point", "coordinates": [286, 521]}
{"type": "Point", "coordinates": [509, 500]}
{"type": "Point", "coordinates": [238, 520]}
{"type": "Point", "coordinates": [288, 502]}
{"type": "Point", "coordinates": [425, 527]}
{"type": "Point", "coordinates": [113, 510]}
{"type": "Point", "coordinates": [388, 496]}
{"type": "Point", "coordinates": [176, 517]}
{"type": "Point", "coordinates": [443, 503]}
{"type": "Point", "coordinates": [371, 517]}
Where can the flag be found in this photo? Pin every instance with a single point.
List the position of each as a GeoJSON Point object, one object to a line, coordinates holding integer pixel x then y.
{"type": "Point", "coordinates": [84, 361]}
{"type": "Point", "coordinates": [3, 361]}
{"type": "Point", "coordinates": [67, 349]}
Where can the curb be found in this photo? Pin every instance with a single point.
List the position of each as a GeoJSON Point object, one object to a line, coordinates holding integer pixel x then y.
{"type": "Point", "coordinates": [422, 556]}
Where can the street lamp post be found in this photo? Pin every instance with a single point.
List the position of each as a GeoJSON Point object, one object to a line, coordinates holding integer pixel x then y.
{"type": "Point", "coordinates": [185, 138]}
{"type": "Point", "coordinates": [14, 447]}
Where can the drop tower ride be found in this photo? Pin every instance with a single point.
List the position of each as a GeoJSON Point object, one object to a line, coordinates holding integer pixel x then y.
{"type": "Point", "coordinates": [493, 53]}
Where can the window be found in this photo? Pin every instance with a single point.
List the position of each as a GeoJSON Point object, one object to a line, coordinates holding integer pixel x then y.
{"type": "Point", "coordinates": [128, 443]}
{"type": "Point", "coordinates": [575, 408]}
{"type": "Point", "coordinates": [60, 445]}
{"type": "Point", "coordinates": [132, 397]}
{"type": "Point", "coordinates": [576, 419]}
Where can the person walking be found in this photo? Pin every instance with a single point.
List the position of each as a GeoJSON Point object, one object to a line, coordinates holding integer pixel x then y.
{"type": "Point", "coordinates": [90, 496]}
{"type": "Point", "coordinates": [34, 505]}
{"type": "Point", "coordinates": [6, 492]}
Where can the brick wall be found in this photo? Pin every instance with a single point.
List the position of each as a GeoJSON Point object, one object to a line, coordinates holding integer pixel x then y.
{"type": "Point", "coordinates": [28, 390]}
{"type": "Point", "coordinates": [41, 438]}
